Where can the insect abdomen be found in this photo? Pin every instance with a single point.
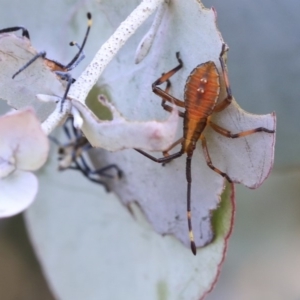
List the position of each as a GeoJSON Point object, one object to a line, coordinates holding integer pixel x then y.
{"type": "Point", "coordinates": [201, 91]}
{"type": "Point", "coordinates": [200, 96]}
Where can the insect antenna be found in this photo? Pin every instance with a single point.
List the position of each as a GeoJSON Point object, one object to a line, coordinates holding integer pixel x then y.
{"type": "Point", "coordinates": [189, 214]}
{"type": "Point", "coordinates": [73, 63]}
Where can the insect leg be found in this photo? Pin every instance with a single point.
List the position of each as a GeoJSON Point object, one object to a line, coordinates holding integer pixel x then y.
{"type": "Point", "coordinates": [88, 171]}
{"type": "Point", "coordinates": [80, 58]}
{"type": "Point", "coordinates": [69, 79]}
{"type": "Point", "coordinates": [169, 109]}
{"type": "Point", "coordinates": [80, 147]}
{"type": "Point", "coordinates": [228, 133]}
{"type": "Point", "coordinates": [166, 152]}
{"type": "Point", "coordinates": [208, 159]}
{"type": "Point", "coordinates": [162, 159]}
{"type": "Point", "coordinates": [223, 104]}
{"type": "Point", "coordinates": [67, 130]}
{"type": "Point", "coordinates": [88, 175]}
{"type": "Point", "coordinates": [41, 54]}
{"type": "Point", "coordinates": [79, 163]}
{"type": "Point", "coordinates": [16, 28]}
{"type": "Point", "coordinates": [101, 171]}
{"type": "Point", "coordinates": [166, 106]}
{"type": "Point", "coordinates": [164, 78]}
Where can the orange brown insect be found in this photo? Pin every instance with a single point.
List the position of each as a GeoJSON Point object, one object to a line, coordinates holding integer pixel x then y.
{"type": "Point", "coordinates": [201, 94]}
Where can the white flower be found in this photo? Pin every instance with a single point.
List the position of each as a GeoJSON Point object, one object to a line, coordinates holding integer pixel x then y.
{"type": "Point", "coordinates": [24, 148]}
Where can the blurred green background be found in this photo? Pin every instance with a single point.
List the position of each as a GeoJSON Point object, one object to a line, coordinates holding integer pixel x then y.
{"type": "Point", "coordinates": [263, 259]}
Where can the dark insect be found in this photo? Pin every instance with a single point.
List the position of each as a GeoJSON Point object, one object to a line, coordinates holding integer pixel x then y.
{"type": "Point", "coordinates": [201, 93]}
{"type": "Point", "coordinates": [59, 69]}
{"type": "Point", "coordinates": [73, 155]}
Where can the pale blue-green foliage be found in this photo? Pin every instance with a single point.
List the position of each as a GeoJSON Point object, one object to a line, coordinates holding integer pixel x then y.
{"type": "Point", "coordinates": [264, 70]}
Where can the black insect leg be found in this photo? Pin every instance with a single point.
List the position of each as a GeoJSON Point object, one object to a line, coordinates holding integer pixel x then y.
{"type": "Point", "coordinates": [86, 173]}
{"type": "Point", "coordinates": [69, 79]}
{"type": "Point", "coordinates": [80, 58]}
{"type": "Point", "coordinates": [40, 54]}
{"type": "Point", "coordinates": [16, 28]}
